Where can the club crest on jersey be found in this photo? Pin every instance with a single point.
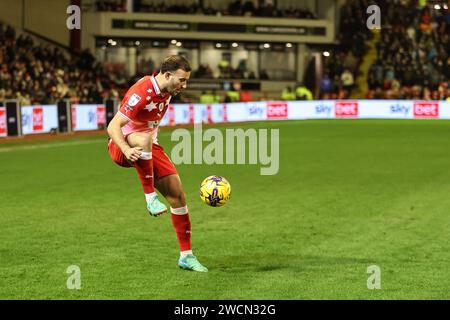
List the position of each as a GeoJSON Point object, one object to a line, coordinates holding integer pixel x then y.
{"type": "Point", "coordinates": [134, 100]}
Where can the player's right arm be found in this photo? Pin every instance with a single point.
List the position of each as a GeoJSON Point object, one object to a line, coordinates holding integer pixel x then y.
{"type": "Point", "coordinates": [115, 133]}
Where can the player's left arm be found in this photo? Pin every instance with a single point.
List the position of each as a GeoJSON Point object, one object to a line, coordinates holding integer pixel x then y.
{"type": "Point", "coordinates": [115, 133]}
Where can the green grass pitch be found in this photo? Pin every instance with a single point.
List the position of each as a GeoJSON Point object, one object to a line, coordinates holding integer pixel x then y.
{"type": "Point", "coordinates": [349, 194]}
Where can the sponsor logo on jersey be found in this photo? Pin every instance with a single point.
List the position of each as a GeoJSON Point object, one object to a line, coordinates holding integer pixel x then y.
{"type": "Point", "coordinates": [277, 110]}
{"type": "Point", "coordinates": [153, 124]}
{"type": "Point", "coordinates": [346, 109]}
{"type": "Point", "coordinates": [134, 100]}
{"type": "Point", "coordinates": [426, 109]}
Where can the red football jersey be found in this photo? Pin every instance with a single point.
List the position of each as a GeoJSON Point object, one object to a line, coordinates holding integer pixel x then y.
{"type": "Point", "coordinates": [144, 106]}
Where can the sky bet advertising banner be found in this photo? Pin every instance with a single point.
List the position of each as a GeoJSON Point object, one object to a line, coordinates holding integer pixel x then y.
{"type": "Point", "coordinates": [41, 119]}
{"type": "Point", "coordinates": [88, 117]}
{"type": "Point", "coordinates": [38, 119]}
{"type": "Point", "coordinates": [185, 114]}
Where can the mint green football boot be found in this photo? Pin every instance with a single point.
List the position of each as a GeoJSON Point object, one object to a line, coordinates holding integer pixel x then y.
{"type": "Point", "coordinates": [156, 207]}
{"type": "Point", "coordinates": [190, 262]}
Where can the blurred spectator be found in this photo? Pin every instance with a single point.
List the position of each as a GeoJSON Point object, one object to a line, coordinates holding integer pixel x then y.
{"type": "Point", "coordinates": [111, 5]}
{"type": "Point", "coordinates": [263, 75]}
{"type": "Point", "coordinates": [235, 8]}
{"type": "Point", "coordinates": [303, 93]}
{"type": "Point", "coordinates": [208, 97]}
{"type": "Point", "coordinates": [231, 95]}
{"type": "Point", "coordinates": [347, 81]}
{"type": "Point", "coordinates": [204, 71]}
{"type": "Point", "coordinates": [288, 94]}
{"type": "Point", "coordinates": [326, 85]}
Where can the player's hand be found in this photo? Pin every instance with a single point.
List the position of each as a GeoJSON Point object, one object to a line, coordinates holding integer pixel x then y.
{"type": "Point", "coordinates": [133, 154]}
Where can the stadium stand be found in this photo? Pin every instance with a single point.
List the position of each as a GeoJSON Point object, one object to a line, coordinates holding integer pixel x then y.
{"type": "Point", "coordinates": [41, 74]}
{"type": "Point", "coordinates": [411, 57]}
{"type": "Point", "coordinates": [235, 8]}
{"type": "Point", "coordinates": [342, 65]}
{"type": "Point", "coordinates": [413, 54]}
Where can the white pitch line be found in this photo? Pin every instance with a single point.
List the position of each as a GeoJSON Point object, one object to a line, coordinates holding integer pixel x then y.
{"type": "Point", "coordinates": [60, 144]}
{"type": "Point", "coordinates": [50, 145]}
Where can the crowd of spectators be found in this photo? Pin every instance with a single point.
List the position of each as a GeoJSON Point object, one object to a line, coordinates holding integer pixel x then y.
{"type": "Point", "coordinates": [40, 74]}
{"type": "Point", "coordinates": [413, 55]}
{"type": "Point", "coordinates": [111, 5]}
{"type": "Point", "coordinates": [235, 8]}
{"type": "Point", "coordinates": [341, 66]}
{"type": "Point", "coordinates": [225, 70]}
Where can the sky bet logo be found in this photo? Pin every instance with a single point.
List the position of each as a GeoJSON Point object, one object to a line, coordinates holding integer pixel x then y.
{"type": "Point", "coordinates": [277, 110]}
{"type": "Point", "coordinates": [346, 109]}
{"type": "Point", "coordinates": [400, 109]}
{"type": "Point", "coordinates": [323, 109]}
{"type": "Point", "coordinates": [91, 117]}
{"type": "Point", "coordinates": [426, 109]}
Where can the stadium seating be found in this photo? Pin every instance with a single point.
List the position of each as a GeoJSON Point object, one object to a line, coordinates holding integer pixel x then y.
{"type": "Point", "coordinates": [235, 8]}
{"type": "Point", "coordinates": [413, 55]}
{"type": "Point", "coordinates": [40, 74]}
{"type": "Point", "coordinates": [342, 65]}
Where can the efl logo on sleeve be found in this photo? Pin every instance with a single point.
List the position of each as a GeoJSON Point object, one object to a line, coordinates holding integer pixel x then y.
{"type": "Point", "coordinates": [346, 109]}
{"type": "Point", "coordinates": [277, 110]}
{"type": "Point", "coordinates": [426, 109]}
{"type": "Point", "coordinates": [134, 100]}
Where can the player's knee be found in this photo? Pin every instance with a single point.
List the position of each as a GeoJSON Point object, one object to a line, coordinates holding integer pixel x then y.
{"type": "Point", "coordinates": [178, 200]}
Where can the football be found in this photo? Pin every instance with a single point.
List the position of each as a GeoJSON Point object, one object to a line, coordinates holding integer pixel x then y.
{"type": "Point", "coordinates": [215, 191]}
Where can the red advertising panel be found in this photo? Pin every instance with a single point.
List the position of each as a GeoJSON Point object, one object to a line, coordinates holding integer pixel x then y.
{"type": "Point", "coordinates": [191, 114]}
{"type": "Point", "coordinates": [101, 115]}
{"type": "Point", "coordinates": [426, 109]}
{"type": "Point", "coordinates": [171, 115]}
{"type": "Point", "coordinates": [74, 117]}
{"type": "Point", "coordinates": [277, 110]}
{"type": "Point", "coordinates": [346, 109]}
{"type": "Point", "coordinates": [3, 127]}
{"type": "Point", "coordinates": [225, 113]}
{"type": "Point", "coordinates": [38, 119]}
{"type": "Point", "coordinates": [209, 113]}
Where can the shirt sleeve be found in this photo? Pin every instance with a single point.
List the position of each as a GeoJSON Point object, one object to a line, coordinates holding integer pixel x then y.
{"type": "Point", "coordinates": [131, 105]}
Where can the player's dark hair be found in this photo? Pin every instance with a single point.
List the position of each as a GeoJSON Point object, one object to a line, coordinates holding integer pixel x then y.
{"type": "Point", "coordinates": [175, 62]}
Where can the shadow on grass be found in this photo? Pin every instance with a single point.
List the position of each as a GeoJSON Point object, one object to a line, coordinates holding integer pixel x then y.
{"type": "Point", "coordinates": [287, 262]}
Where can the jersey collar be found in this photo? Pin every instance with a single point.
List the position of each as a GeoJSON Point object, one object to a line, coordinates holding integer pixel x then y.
{"type": "Point", "coordinates": [155, 84]}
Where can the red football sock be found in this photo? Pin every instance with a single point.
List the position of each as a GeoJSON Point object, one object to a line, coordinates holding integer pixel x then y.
{"type": "Point", "coordinates": [182, 225]}
{"type": "Point", "coordinates": [144, 167]}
